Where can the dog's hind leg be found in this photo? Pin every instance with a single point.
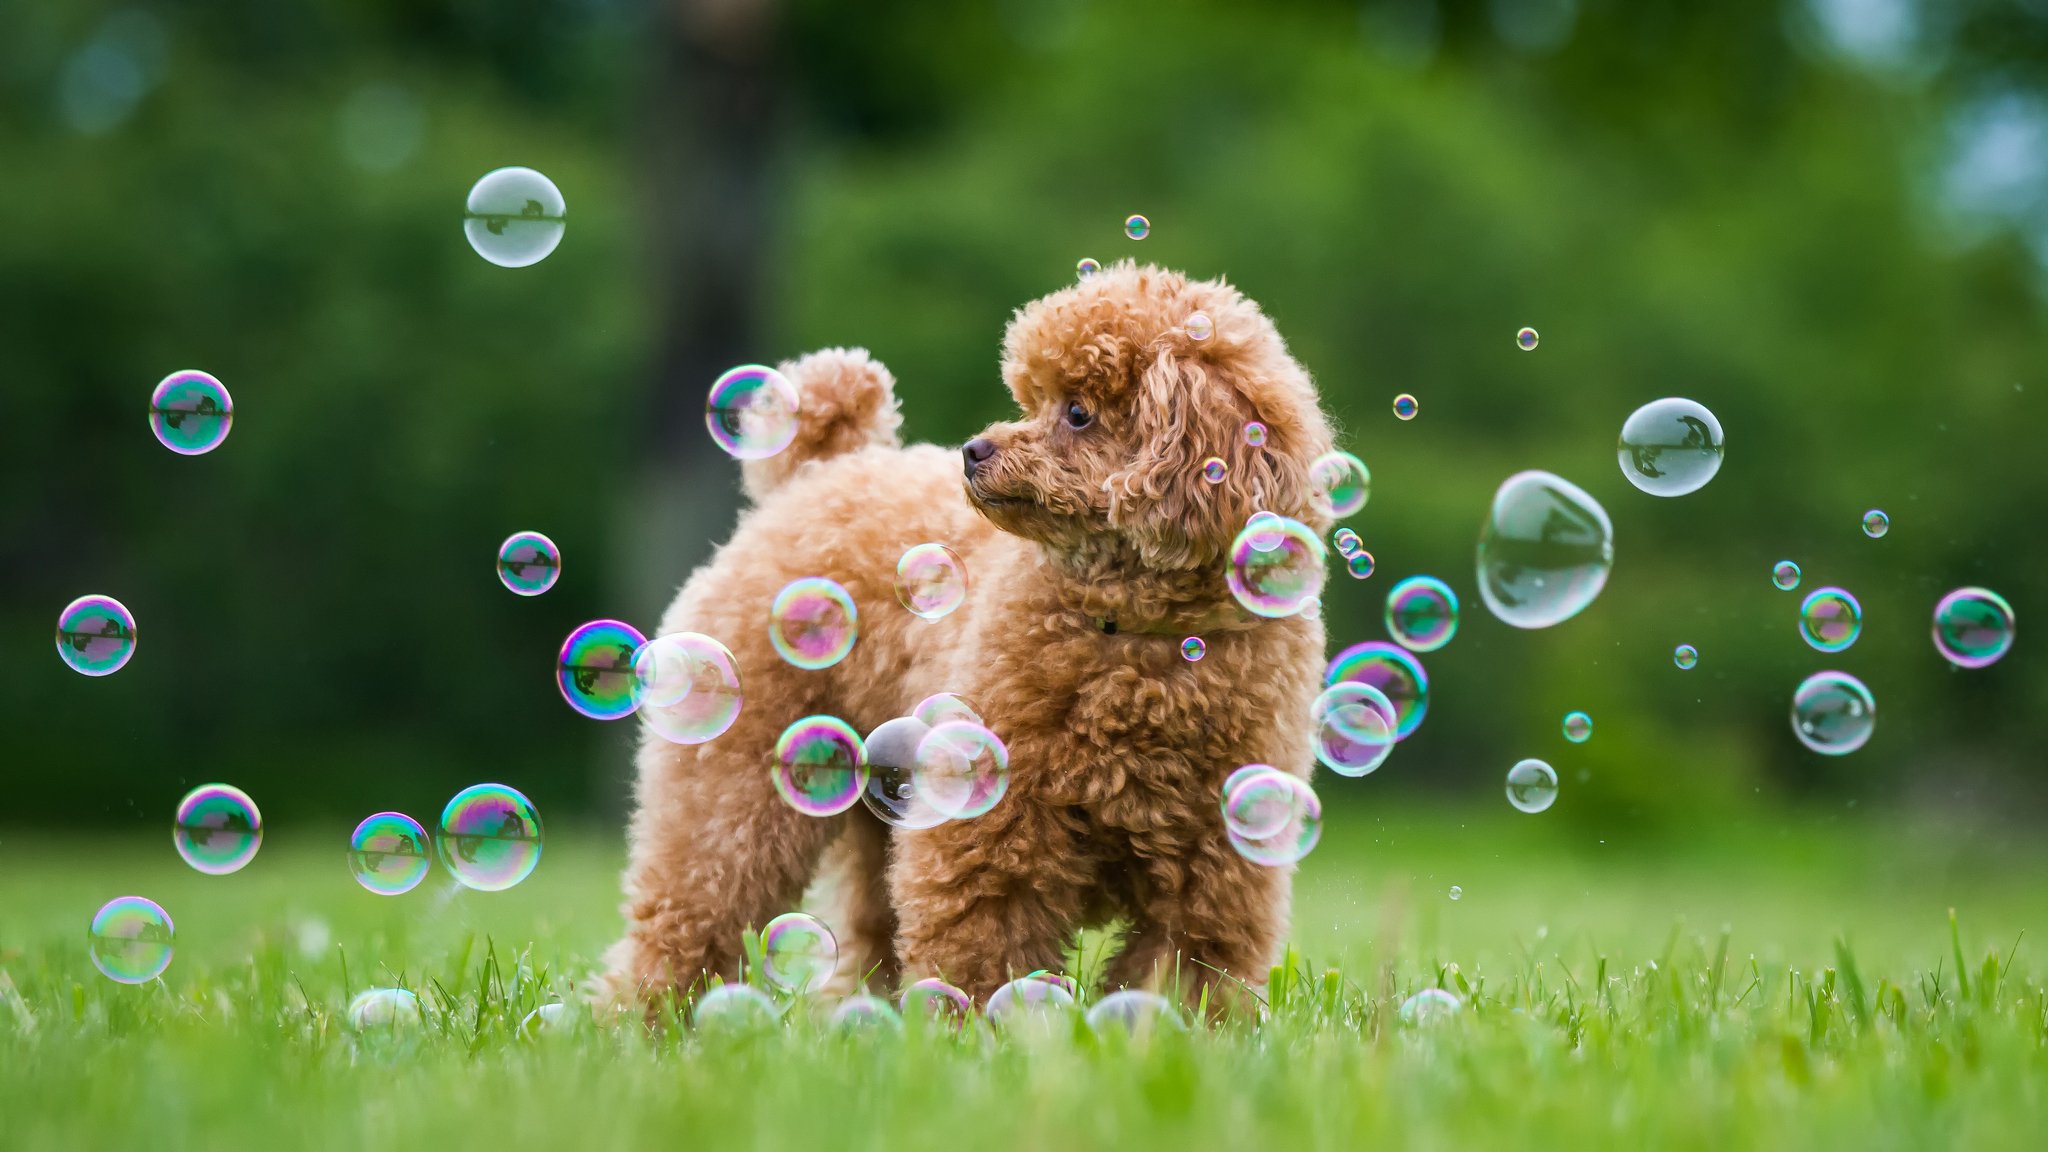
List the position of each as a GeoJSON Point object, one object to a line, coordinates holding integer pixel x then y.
{"type": "Point", "coordinates": [852, 898]}
{"type": "Point", "coordinates": [1207, 920]}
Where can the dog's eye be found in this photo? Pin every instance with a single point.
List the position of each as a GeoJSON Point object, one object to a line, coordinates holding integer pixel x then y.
{"type": "Point", "coordinates": [1077, 416]}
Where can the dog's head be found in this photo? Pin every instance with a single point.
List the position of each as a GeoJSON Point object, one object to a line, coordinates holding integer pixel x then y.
{"type": "Point", "coordinates": [1122, 407]}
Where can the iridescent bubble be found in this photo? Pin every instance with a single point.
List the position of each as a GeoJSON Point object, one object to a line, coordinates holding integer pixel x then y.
{"type": "Point", "coordinates": [1785, 575]}
{"type": "Point", "coordinates": [1198, 326]}
{"type": "Point", "coordinates": [594, 669]}
{"type": "Point", "coordinates": [1353, 692]}
{"type": "Point", "coordinates": [864, 1013]}
{"type": "Point", "coordinates": [752, 412]}
{"type": "Point", "coordinates": [1276, 581]}
{"type": "Point", "coordinates": [1312, 608]}
{"type": "Point", "coordinates": [712, 700]}
{"type": "Point", "coordinates": [1685, 655]}
{"type": "Point", "coordinates": [733, 1009]}
{"type": "Point", "coordinates": [1346, 542]}
{"type": "Point", "coordinates": [891, 793]}
{"type": "Point", "coordinates": [962, 769]}
{"type": "Point", "coordinates": [1670, 447]}
{"type": "Point", "coordinates": [1214, 470]}
{"type": "Point", "coordinates": [1876, 523]}
{"type": "Point", "coordinates": [514, 217]}
{"type": "Point", "coordinates": [1137, 227]}
{"type": "Point", "coordinates": [1027, 998]}
{"type": "Point", "coordinates": [1833, 713]}
{"type": "Point", "coordinates": [1578, 727]}
{"type": "Point", "coordinates": [529, 563]}
{"type": "Point", "coordinates": [1830, 619]}
{"type": "Point", "coordinates": [387, 853]}
{"type": "Point", "coordinates": [217, 829]}
{"type": "Point", "coordinates": [1526, 339]}
{"type": "Point", "coordinates": [1359, 564]}
{"type": "Point", "coordinates": [1193, 648]}
{"type": "Point", "coordinates": [1431, 1005]}
{"type": "Point", "coordinates": [547, 1020]}
{"type": "Point", "coordinates": [1086, 267]}
{"type": "Point", "coordinates": [1422, 613]}
{"type": "Point", "coordinates": [95, 635]}
{"type": "Point", "coordinates": [1973, 627]}
{"type": "Point", "coordinates": [1354, 727]}
{"type": "Point", "coordinates": [1343, 482]}
{"type": "Point", "coordinates": [1405, 407]}
{"type": "Point", "coordinates": [1255, 434]}
{"type": "Point", "coordinates": [1294, 840]}
{"type": "Point", "coordinates": [131, 939]}
{"type": "Point", "coordinates": [1532, 786]}
{"type": "Point", "coordinates": [1457, 893]}
{"type": "Point", "coordinates": [933, 999]}
{"type": "Point", "coordinates": [1135, 1013]}
{"type": "Point", "coordinates": [1258, 800]}
{"type": "Point", "coordinates": [820, 766]}
{"type": "Point", "coordinates": [191, 412]}
{"type": "Point", "coordinates": [1391, 669]}
{"type": "Point", "coordinates": [940, 707]}
{"type": "Point", "coordinates": [931, 580]}
{"type": "Point", "coordinates": [1544, 552]}
{"type": "Point", "coordinates": [798, 953]}
{"type": "Point", "coordinates": [384, 1010]}
{"type": "Point", "coordinates": [1264, 529]}
{"type": "Point", "coordinates": [490, 837]}
{"type": "Point", "coordinates": [813, 623]}
{"type": "Point", "coordinates": [665, 668]}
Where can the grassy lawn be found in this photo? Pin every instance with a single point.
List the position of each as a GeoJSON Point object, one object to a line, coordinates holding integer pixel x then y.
{"type": "Point", "coordinates": [1786, 983]}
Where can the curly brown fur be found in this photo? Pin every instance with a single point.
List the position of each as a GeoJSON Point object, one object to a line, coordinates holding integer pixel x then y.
{"type": "Point", "coordinates": [1118, 746]}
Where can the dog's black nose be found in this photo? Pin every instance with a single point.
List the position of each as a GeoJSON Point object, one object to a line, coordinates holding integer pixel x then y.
{"type": "Point", "coordinates": [975, 451]}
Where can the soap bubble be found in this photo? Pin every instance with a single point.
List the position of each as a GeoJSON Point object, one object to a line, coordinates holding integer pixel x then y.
{"type": "Point", "coordinates": [1295, 838]}
{"type": "Point", "coordinates": [1544, 552]}
{"type": "Point", "coordinates": [733, 1009]}
{"type": "Point", "coordinates": [529, 563]}
{"type": "Point", "coordinates": [1277, 580]}
{"type": "Point", "coordinates": [1422, 613]}
{"type": "Point", "coordinates": [384, 1009]}
{"type": "Point", "coordinates": [1578, 727]}
{"type": "Point", "coordinates": [1135, 1013]}
{"type": "Point", "coordinates": [1137, 227]}
{"type": "Point", "coordinates": [933, 999]}
{"type": "Point", "coordinates": [1457, 893]}
{"type": "Point", "coordinates": [1431, 1005]}
{"type": "Point", "coordinates": [1526, 339]}
{"type": "Point", "coordinates": [1214, 470]}
{"type": "Point", "coordinates": [665, 669]}
{"type": "Point", "coordinates": [1343, 482]}
{"type": "Point", "coordinates": [1312, 608]}
{"type": "Point", "coordinates": [1973, 627]}
{"type": "Point", "coordinates": [1532, 786]}
{"type": "Point", "coordinates": [752, 412]}
{"type": "Point", "coordinates": [1830, 619]}
{"type": "Point", "coordinates": [546, 1020]}
{"type": "Point", "coordinates": [1258, 800]}
{"type": "Point", "coordinates": [594, 669]}
{"type": "Point", "coordinates": [1354, 727]}
{"type": "Point", "coordinates": [217, 829]}
{"type": "Point", "coordinates": [1193, 648]}
{"type": "Point", "coordinates": [798, 952]}
{"type": "Point", "coordinates": [1255, 434]}
{"type": "Point", "coordinates": [1670, 447]}
{"type": "Point", "coordinates": [514, 217]}
{"type": "Point", "coordinates": [931, 580]}
{"type": "Point", "coordinates": [962, 769]}
{"type": "Point", "coordinates": [1086, 267]}
{"type": "Point", "coordinates": [813, 623]}
{"type": "Point", "coordinates": [1785, 575]}
{"type": "Point", "coordinates": [1359, 564]}
{"type": "Point", "coordinates": [1198, 326]}
{"type": "Point", "coordinates": [1685, 655]}
{"type": "Point", "coordinates": [1264, 531]}
{"type": "Point", "coordinates": [710, 703]}
{"type": "Point", "coordinates": [940, 707]}
{"type": "Point", "coordinates": [1391, 669]}
{"type": "Point", "coordinates": [96, 635]}
{"type": "Point", "coordinates": [191, 412]}
{"type": "Point", "coordinates": [1405, 407]}
{"type": "Point", "coordinates": [1833, 713]}
{"type": "Point", "coordinates": [1027, 998]}
{"type": "Point", "coordinates": [864, 1013]}
{"type": "Point", "coordinates": [820, 766]}
{"type": "Point", "coordinates": [490, 837]}
{"type": "Point", "coordinates": [131, 939]}
{"type": "Point", "coordinates": [1346, 542]}
{"type": "Point", "coordinates": [1876, 523]}
{"type": "Point", "coordinates": [387, 853]}
{"type": "Point", "coordinates": [891, 792]}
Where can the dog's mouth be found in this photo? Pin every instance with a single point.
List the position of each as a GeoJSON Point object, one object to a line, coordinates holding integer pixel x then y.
{"type": "Point", "coordinates": [991, 499]}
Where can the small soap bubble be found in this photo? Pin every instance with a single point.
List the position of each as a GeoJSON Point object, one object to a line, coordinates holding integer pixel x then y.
{"type": "Point", "coordinates": [131, 939]}
{"type": "Point", "coordinates": [1255, 434]}
{"type": "Point", "coordinates": [752, 412]}
{"type": "Point", "coordinates": [1532, 786]}
{"type": "Point", "coordinates": [1346, 542]}
{"type": "Point", "coordinates": [891, 792]}
{"type": "Point", "coordinates": [1833, 713]}
{"type": "Point", "coordinates": [1830, 619]}
{"type": "Point", "coordinates": [1343, 482]}
{"type": "Point", "coordinates": [1214, 470]}
{"type": "Point", "coordinates": [514, 217]}
{"type": "Point", "coordinates": [1405, 407]}
{"type": "Point", "coordinates": [96, 635]}
{"type": "Point", "coordinates": [191, 412]}
{"type": "Point", "coordinates": [529, 563]}
{"type": "Point", "coordinates": [1973, 627]}
{"type": "Point", "coordinates": [665, 668]}
{"type": "Point", "coordinates": [1354, 727]}
{"type": "Point", "coordinates": [1578, 727]}
{"type": "Point", "coordinates": [1198, 326]}
{"type": "Point", "coordinates": [1544, 552]}
{"type": "Point", "coordinates": [1294, 839]}
{"type": "Point", "coordinates": [217, 829]}
{"type": "Point", "coordinates": [1422, 613]}
{"type": "Point", "coordinates": [708, 705]}
{"type": "Point", "coordinates": [940, 707]}
{"type": "Point", "coordinates": [933, 999]}
{"type": "Point", "coordinates": [864, 1013]}
{"type": "Point", "coordinates": [1193, 648]}
{"type": "Point", "coordinates": [1526, 339]}
{"type": "Point", "coordinates": [1685, 655]}
{"type": "Point", "coordinates": [1135, 1013]}
{"type": "Point", "coordinates": [1086, 267]}
{"type": "Point", "coordinates": [1394, 672]}
{"type": "Point", "coordinates": [594, 669]}
{"type": "Point", "coordinates": [813, 623]}
{"type": "Point", "coordinates": [1876, 523]}
{"type": "Point", "coordinates": [962, 769]}
{"type": "Point", "coordinates": [1258, 801]}
{"type": "Point", "coordinates": [1026, 999]}
{"type": "Point", "coordinates": [1431, 1005]}
{"type": "Point", "coordinates": [1312, 608]}
{"type": "Point", "coordinates": [1264, 531]}
{"type": "Point", "coordinates": [547, 1020]}
{"type": "Point", "coordinates": [1785, 575]}
{"type": "Point", "coordinates": [1359, 564]}
{"type": "Point", "coordinates": [798, 953]}
{"type": "Point", "coordinates": [384, 1010]}
{"type": "Point", "coordinates": [1137, 227]}
{"type": "Point", "coordinates": [1279, 578]}
{"type": "Point", "coordinates": [1457, 893]}
{"type": "Point", "coordinates": [733, 1009]}
{"type": "Point", "coordinates": [387, 853]}
{"type": "Point", "coordinates": [931, 580]}
{"type": "Point", "coordinates": [490, 837]}
{"type": "Point", "coordinates": [820, 766]}
{"type": "Point", "coordinates": [1670, 447]}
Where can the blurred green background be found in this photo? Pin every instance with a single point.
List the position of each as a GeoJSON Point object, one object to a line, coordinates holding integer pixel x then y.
{"type": "Point", "coordinates": [1824, 219]}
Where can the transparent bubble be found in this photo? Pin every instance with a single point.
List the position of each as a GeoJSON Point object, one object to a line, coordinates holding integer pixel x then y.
{"type": "Point", "coordinates": [1264, 529]}
{"type": "Point", "coordinates": [529, 563]}
{"type": "Point", "coordinates": [1086, 267]}
{"type": "Point", "coordinates": [1431, 1005]}
{"type": "Point", "coordinates": [1343, 482]}
{"type": "Point", "coordinates": [1532, 786]}
{"type": "Point", "coordinates": [1670, 447]}
{"type": "Point", "coordinates": [1785, 575]}
{"type": "Point", "coordinates": [933, 999]}
{"type": "Point", "coordinates": [1353, 692]}
{"type": "Point", "coordinates": [1405, 407]}
{"type": "Point", "coordinates": [191, 412]}
{"type": "Point", "coordinates": [1198, 326]}
{"type": "Point", "coordinates": [1135, 1013]}
{"type": "Point", "coordinates": [891, 793]}
{"type": "Point", "coordinates": [217, 829]}
{"type": "Point", "coordinates": [384, 1009]}
{"type": "Point", "coordinates": [387, 853]}
{"type": "Point", "coordinates": [733, 1009]}
{"type": "Point", "coordinates": [1359, 564]}
{"type": "Point", "coordinates": [1137, 227]}
{"type": "Point", "coordinates": [1422, 613]}
{"type": "Point", "coordinates": [752, 412]}
{"type": "Point", "coordinates": [490, 837]}
{"type": "Point", "coordinates": [1026, 999]}
{"type": "Point", "coordinates": [1236, 777]}
{"type": "Point", "coordinates": [665, 669]}
{"type": "Point", "coordinates": [1255, 434]}
{"type": "Point", "coordinates": [514, 217]}
{"type": "Point", "coordinates": [1833, 713]}
{"type": "Point", "coordinates": [820, 766]}
{"type": "Point", "coordinates": [96, 635]}
{"type": "Point", "coordinates": [865, 1013]}
{"type": "Point", "coordinates": [962, 769]}
{"type": "Point", "coordinates": [1685, 655]}
{"type": "Point", "coordinates": [1294, 840]}
{"type": "Point", "coordinates": [1259, 802]}
{"type": "Point", "coordinates": [547, 1020]}
{"type": "Point", "coordinates": [131, 939]}
{"type": "Point", "coordinates": [1830, 619]}
{"type": "Point", "coordinates": [1354, 727]}
{"type": "Point", "coordinates": [1526, 339]}
{"type": "Point", "coordinates": [594, 669]}
{"type": "Point", "coordinates": [940, 707]}
{"type": "Point", "coordinates": [1457, 893]}
{"type": "Point", "coordinates": [1973, 627]}
{"type": "Point", "coordinates": [1214, 470]}
{"type": "Point", "coordinates": [813, 623]}
{"type": "Point", "coordinates": [1276, 581]}
{"type": "Point", "coordinates": [931, 580]}
{"type": "Point", "coordinates": [1193, 648]}
{"type": "Point", "coordinates": [1312, 608]}
{"type": "Point", "coordinates": [1394, 672]}
{"type": "Point", "coordinates": [1578, 727]}
{"type": "Point", "coordinates": [710, 704]}
{"type": "Point", "coordinates": [1544, 552]}
{"type": "Point", "coordinates": [1876, 523]}
{"type": "Point", "coordinates": [798, 952]}
{"type": "Point", "coordinates": [1346, 542]}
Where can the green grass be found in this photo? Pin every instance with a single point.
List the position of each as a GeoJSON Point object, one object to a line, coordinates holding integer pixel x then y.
{"type": "Point", "coordinates": [1791, 983]}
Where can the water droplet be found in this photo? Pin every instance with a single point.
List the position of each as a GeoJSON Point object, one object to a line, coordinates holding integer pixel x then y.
{"type": "Point", "coordinates": [1544, 552]}
{"type": "Point", "coordinates": [1973, 627]}
{"type": "Point", "coordinates": [514, 217]}
{"type": "Point", "coordinates": [1833, 713]}
{"type": "Point", "coordinates": [1532, 786]}
{"type": "Point", "coordinates": [1670, 447]}
{"type": "Point", "coordinates": [1830, 619]}
{"type": "Point", "coordinates": [1422, 613]}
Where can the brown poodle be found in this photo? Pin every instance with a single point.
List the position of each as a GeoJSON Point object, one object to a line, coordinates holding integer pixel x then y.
{"type": "Point", "coordinates": [1094, 546]}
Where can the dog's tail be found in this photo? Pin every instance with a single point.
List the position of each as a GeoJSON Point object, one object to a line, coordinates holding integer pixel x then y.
{"type": "Point", "coordinates": [848, 402]}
